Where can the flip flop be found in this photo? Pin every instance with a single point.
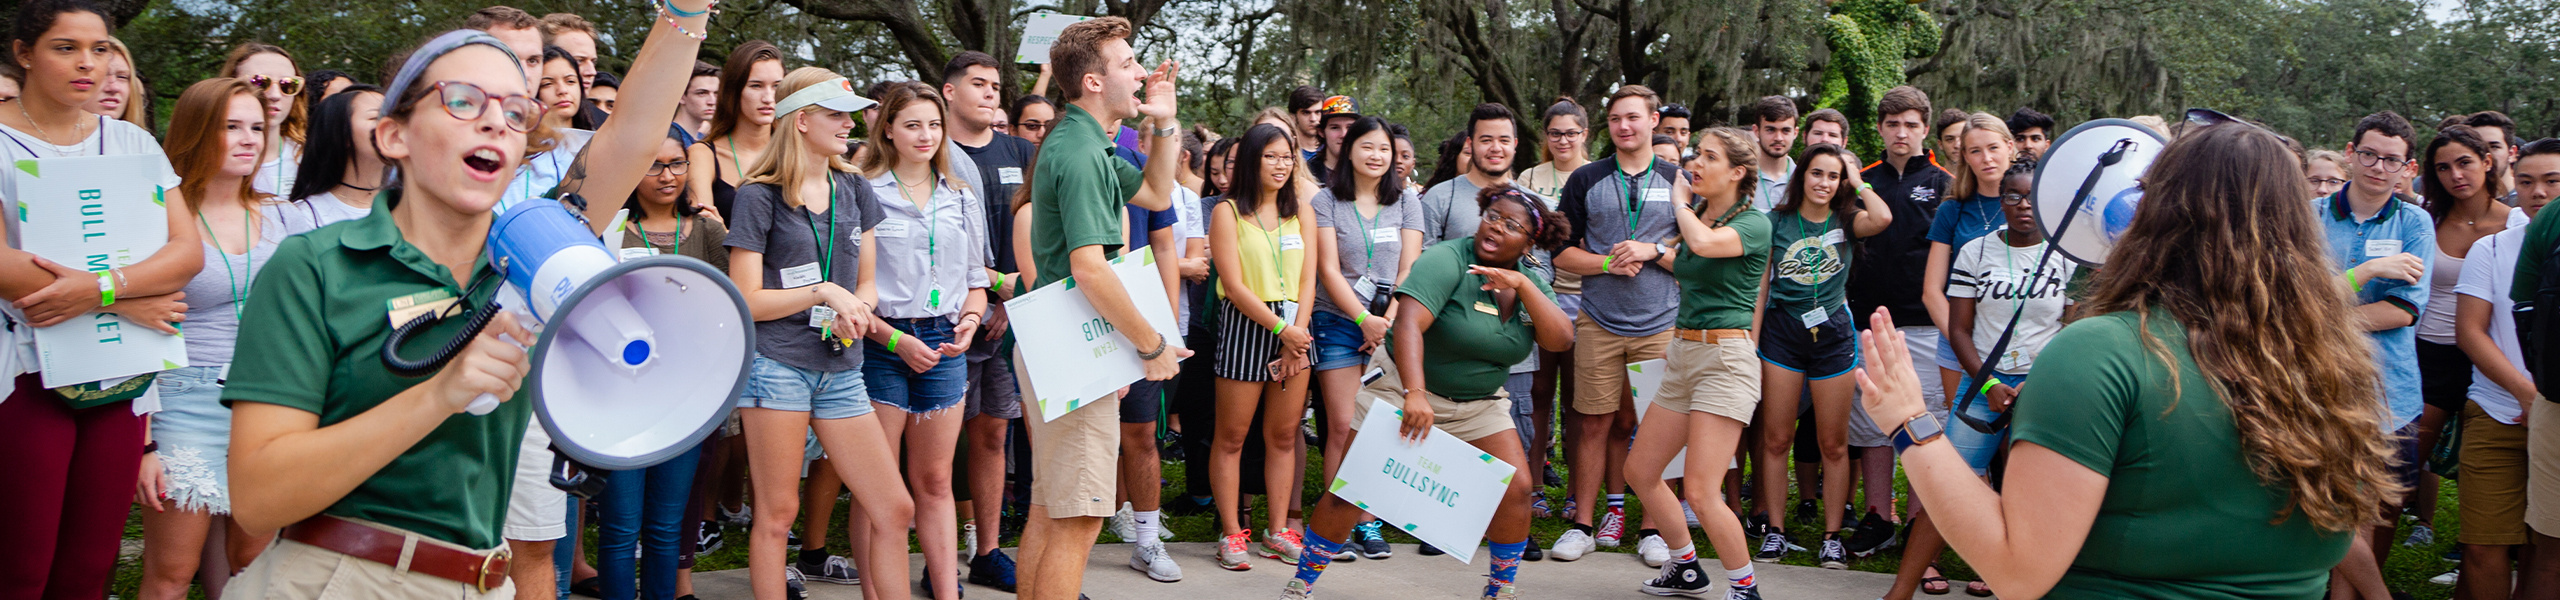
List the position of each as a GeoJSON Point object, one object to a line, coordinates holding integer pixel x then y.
{"type": "Point", "coordinates": [1977, 589]}
{"type": "Point", "coordinates": [1935, 584]}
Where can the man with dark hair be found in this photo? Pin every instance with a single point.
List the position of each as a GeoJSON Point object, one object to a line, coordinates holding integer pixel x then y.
{"type": "Point", "coordinates": [1306, 104]}
{"type": "Point", "coordinates": [1078, 191]}
{"type": "Point", "coordinates": [2386, 246]}
{"type": "Point", "coordinates": [1492, 141]}
{"type": "Point", "coordinates": [2500, 131]}
{"type": "Point", "coordinates": [2033, 130]}
{"type": "Point", "coordinates": [520, 31]}
{"type": "Point", "coordinates": [2538, 183]}
{"type": "Point", "coordinates": [1774, 133]}
{"type": "Point", "coordinates": [1886, 274]}
{"type": "Point", "coordinates": [1674, 122]}
{"type": "Point", "coordinates": [1826, 126]}
{"type": "Point", "coordinates": [970, 90]}
{"type": "Point", "coordinates": [1950, 130]}
{"type": "Point", "coordinates": [701, 98]}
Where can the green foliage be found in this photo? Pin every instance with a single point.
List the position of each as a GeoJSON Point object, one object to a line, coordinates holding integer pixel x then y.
{"type": "Point", "coordinates": [1869, 41]}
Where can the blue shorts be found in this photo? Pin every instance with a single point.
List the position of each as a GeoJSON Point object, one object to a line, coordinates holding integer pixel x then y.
{"type": "Point", "coordinates": [895, 386]}
{"type": "Point", "coordinates": [1978, 447]}
{"type": "Point", "coordinates": [1828, 351]}
{"type": "Point", "coordinates": [194, 433]}
{"type": "Point", "coordinates": [776, 386]}
{"type": "Point", "coordinates": [1337, 343]}
{"type": "Point", "coordinates": [1947, 354]}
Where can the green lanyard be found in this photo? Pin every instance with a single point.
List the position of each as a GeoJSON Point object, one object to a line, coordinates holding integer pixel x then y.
{"type": "Point", "coordinates": [826, 261]}
{"type": "Point", "coordinates": [733, 158]}
{"type": "Point", "coordinates": [1367, 234]}
{"type": "Point", "coordinates": [1273, 234]}
{"type": "Point", "coordinates": [1635, 203]}
{"type": "Point", "coordinates": [671, 248]}
{"type": "Point", "coordinates": [932, 242]}
{"type": "Point", "coordinates": [239, 289]}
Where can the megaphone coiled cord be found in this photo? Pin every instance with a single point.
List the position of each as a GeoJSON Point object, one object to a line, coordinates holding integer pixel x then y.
{"type": "Point", "coordinates": [405, 367]}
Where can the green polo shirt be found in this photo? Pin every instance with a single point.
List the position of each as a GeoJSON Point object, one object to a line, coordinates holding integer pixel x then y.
{"type": "Point", "coordinates": [1469, 348]}
{"type": "Point", "coordinates": [2539, 237]}
{"type": "Point", "coordinates": [1720, 293]}
{"type": "Point", "coordinates": [1077, 192]}
{"type": "Point", "coordinates": [317, 318]}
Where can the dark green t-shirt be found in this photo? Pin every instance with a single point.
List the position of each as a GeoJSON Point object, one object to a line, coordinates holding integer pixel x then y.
{"type": "Point", "coordinates": [1808, 263]}
{"type": "Point", "coordinates": [2183, 515]}
{"type": "Point", "coordinates": [1720, 293]}
{"type": "Point", "coordinates": [1470, 347]}
{"type": "Point", "coordinates": [317, 316]}
{"type": "Point", "coordinates": [2538, 239]}
{"type": "Point", "coordinates": [1078, 190]}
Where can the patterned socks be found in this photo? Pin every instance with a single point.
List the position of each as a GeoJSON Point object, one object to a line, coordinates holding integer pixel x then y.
{"type": "Point", "coordinates": [1319, 554]}
{"type": "Point", "coordinates": [1741, 578]}
{"type": "Point", "coordinates": [1617, 501]}
{"type": "Point", "coordinates": [1685, 554]}
{"type": "Point", "coordinates": [1506, 565]}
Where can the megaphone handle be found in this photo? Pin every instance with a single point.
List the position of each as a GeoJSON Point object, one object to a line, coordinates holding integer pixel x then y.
{"type": "Point", "coordinates": [488, 403]}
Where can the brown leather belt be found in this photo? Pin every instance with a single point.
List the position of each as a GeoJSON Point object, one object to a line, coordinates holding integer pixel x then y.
{"type": "Point", "coordinates": [1712, 335]}
{"type": "Point", "coordinates": [483, 571]}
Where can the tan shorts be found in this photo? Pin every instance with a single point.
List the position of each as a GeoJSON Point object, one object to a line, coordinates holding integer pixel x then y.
{"type": "Point", "coordinates": [2493, 479]}
{"type": "Point", "coordinates": [1599, 358]}
{"type": "Point", "coordinates": [2542, 489]}
{"type": "Point", "coordinates": [1074, 458]}
{"type": "Point", "coordinates": [1470, 421]}
{"type": "Point", "coordinates": [1720, 378]}
{"type": "Point", "coordinates": [293, 570]}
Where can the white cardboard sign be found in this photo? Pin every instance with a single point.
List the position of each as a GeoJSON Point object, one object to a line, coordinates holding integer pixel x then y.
{"type": "Point", "coordinates": [93, 213]}
{"type": "Point", "coordinates": [1443, 490]}
{"type": "Point", "coordinates": [1071, 354]}
{"type": "Point", "coordinates": [1040, 33]}
{"type": "Point", "coordinates": [1644, 379]}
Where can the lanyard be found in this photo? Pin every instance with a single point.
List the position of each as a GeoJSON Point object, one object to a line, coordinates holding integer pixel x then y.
{"type": "Point", "coordinates": [1273, 234]}
{"type": "Point", "coordinates": [671, 248]}
{"type": "Point", "coordinates": [827, 261]}
{"type": "Point", "coordinates": [239, 289]}
{"type": "Point", "coordinates": [932, 241]}
{"type": "Point", "coordinates": [1635, 200]}
{"type": "Point", "coordinates": [733, 159]}
{"type": "Point", "coordinates": [1367, 233]}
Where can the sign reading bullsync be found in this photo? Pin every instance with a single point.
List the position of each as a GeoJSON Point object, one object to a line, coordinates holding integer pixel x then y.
{"type": "Point", "coordinates": [1443, 490]}
{"type": "Point", "coordinates": [1644, 379]}
{"type": "Point", "coordinates": [91, 213]}
{"type": "Point", "coordinates": [1071, 356]}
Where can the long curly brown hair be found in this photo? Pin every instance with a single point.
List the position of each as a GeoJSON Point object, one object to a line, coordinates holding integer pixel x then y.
{"type": "Point", "coordinates": [2223, 245]}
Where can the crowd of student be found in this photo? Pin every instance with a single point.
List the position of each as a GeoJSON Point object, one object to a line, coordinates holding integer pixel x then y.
{"type": "Point", "coordinates": [2204, 424]}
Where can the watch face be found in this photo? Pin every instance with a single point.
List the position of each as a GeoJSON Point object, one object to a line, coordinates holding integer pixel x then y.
{"type": "Point", "coordinates": [1923, 427]}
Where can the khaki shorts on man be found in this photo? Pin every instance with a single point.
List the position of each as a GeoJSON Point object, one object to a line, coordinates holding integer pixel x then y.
{"type": "Point", "coordinates": [1600, 380]}
{"type": "Point", "coordinates": [1074, 458]}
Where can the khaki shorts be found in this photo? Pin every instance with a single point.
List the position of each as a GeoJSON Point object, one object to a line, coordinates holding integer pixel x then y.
{"type": "Point", "coordinates": [536, 511]}
{"type": "Point", "coordinates": [2542, 489]}
{"type": "Point", "coordinates": [292, 570]}
{"type": "Point", "coordinates": [1469, 421]}
{"type": "Point", "coordinates": [1075, 458]}
{"type": "Point", "coordinates": [2493, 479]}
{"type": "Point", "coordinates": [1599, 357]}
{"type": "Point", "coordinates": [1720, 378]}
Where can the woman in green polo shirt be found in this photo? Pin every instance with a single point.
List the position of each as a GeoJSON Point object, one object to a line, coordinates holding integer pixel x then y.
{"type": "Point", "coordinates": [1713, 387]}
{"type": "Point", "coordinates": [364, 469]}
{"type": "Point", "coordinates": [2207, 433]}
{"type": "Point", "coordinates": [1471, 310]}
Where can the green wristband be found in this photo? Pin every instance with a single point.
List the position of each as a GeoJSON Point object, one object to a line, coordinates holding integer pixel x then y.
{"type": "Point", "coordinates": [1988, 384]}
{"type": "Point", "coordinates": [1604, 263]}
{"type": "Point", "coordinates": [1277, 327]}
{"type": "Point", "coordinates": [106, 289]}
{"type": "Point", "coordinates": [2352, 284]}
{"type": "Point", "coordinates": [893, 340]}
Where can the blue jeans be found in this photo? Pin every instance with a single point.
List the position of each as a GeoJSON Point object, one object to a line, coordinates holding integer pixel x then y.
{"type": "Point", "coordinates": [644, 507]}
{"type": "Point", "coordinates": [894, 385]}
{"type": "Point", "coordinates": [1338, 343]}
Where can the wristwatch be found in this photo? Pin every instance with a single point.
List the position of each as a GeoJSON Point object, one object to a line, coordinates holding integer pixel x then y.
{"type": "Point", "coordinates": [1662, 249]}
{"type": "Point", "coordinates": [1921, 429]}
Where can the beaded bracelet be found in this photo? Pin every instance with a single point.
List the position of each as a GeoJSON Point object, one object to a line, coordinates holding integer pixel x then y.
{"type": "Point", "coordinates": [667, 10]}
{"type": "Point", "coordinates": [671, 8]}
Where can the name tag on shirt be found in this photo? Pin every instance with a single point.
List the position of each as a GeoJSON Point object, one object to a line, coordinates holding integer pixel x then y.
{"type": "Point", "coordinates": [820, 316]}
{"type": "Point", "coordinates": [891, 229]}
{"type": "Point", "coordinates": [1385, 235]}
{"type": "Point", "coordinates": [638, 253]}
{"type": "Point", "coordinates": [802, 276]}
{"type": "Point", "coordinates": [1815, 318]}
{"type": "Point", "coordinates": [2381, 248]}
{"type": "Point", "coordinates": [1291, 242]}
{"type": "Point", "coordinates": [1487, 308]}
{"type": "Point", "coordinates": [1658, 195]}
{"type": "Point", "coordinates": [1009, 175]}
{"type": "Point", "coordinates": [1833, 237]}
{"type": "Point", "coordinates": [403, 309]}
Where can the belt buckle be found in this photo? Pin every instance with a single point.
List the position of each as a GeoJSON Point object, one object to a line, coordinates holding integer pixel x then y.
{"type": "Point", "coordinates": [480, 578]}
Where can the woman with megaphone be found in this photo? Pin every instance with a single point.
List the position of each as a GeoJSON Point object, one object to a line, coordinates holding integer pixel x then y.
{"type": "Point", "coordinates": [803, 246]}
{"type": "Point", "coordinates": [351, 460]}
{"type": "Point", "coordinates": [2206, 430]}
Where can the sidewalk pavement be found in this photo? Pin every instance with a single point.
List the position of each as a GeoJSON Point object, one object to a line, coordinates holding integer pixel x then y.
{"type": "Point", "coordinates": [1406, 576]}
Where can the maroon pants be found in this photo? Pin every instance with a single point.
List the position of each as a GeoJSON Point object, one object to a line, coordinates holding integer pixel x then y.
{"type": "Point", "coordinates": [71, 475]}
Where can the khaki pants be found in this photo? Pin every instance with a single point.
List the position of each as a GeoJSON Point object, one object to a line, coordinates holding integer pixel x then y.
{"type": "Point", "coordinates": [293, 570]}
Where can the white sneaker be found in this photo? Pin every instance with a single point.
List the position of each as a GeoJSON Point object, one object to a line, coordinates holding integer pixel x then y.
{"type": "Point", "coordinates": [1152, 560]}
{"type": "Point", "coordinates": [1571, 546]}
{"type": "Point", "coordinates": [1125, 523]}
{"type": "Point", "coordinates": [2448, 578]}
{"type": "Point", "coordinates": [1654, 550]}
{"type": "Point", "coordinates": [1297, 589]}
{"type": "Point", "coordinates": [1508, 592]}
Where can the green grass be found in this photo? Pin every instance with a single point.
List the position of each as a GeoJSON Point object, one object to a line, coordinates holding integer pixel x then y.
{"type": "Point", "coordinates": [2407, 571]}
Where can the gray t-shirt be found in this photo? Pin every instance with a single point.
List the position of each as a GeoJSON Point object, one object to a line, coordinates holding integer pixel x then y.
{"type": "Point", "coordinates": [215, 295]}
{"type": "Point", "coordinates": [302, 216]}
{"type": "Point", "coordinates": [788, 238]}
{"type": "Point", "coordinates": [1607, 206]}
{"type": "Point", "coordinates": [1368, 247]}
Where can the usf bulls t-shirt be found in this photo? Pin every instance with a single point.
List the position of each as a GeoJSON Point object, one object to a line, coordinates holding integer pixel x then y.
{"type": "Point", "coordinates": [1806, 264]}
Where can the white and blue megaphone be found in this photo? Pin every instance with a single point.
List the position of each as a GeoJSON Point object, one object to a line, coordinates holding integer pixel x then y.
{"type": "Point", "coordinates": [636, 361]}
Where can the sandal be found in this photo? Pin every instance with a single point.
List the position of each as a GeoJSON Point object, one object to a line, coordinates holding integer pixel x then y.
{"type": "Point", "coordinates": [592, 587]}
{"type": "Point", "coordinates": [1935, 583]}
{"type": "Point", "coordinates": [1978, 589]}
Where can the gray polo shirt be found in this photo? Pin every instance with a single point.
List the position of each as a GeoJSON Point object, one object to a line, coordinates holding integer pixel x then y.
{"type": "Point", "coordinates": [930, 256]}
{"type": "Point", "coordinates": [788, 236]}
{"type": "Point", "coordinates": [1607, 206]}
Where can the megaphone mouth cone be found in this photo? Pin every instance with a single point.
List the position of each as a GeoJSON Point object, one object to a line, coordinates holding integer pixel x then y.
{"type": "Point", "coordinates": [638, 401]}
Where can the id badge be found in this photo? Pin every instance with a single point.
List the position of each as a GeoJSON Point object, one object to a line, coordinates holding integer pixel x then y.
{"type": "Point", "coordinates": [1385, 235]}
{"type": "Point", "coordinates": [631, 254]}
{"type": "Point", "coordinates": [1365, 288]}
{"type": "Point", "coordinates": [2381, 248]}
{"type": "Point", "coordinates": [1009, 175]}
{"type": "Point", "coordinates": [1660, 195]}
{"type": "Point", "coordinates": [1289, 310]}
{"type": "Point", "coordinates": [802, 276]}
{"type": "Point", "coordinates": [1292, 242]}
{"type": "Point", "coordinates": [1815, 318]}
{"type": "Point", "coordinates": [891, 229]}
{"type": "Point", "coordinates": [821, 317]}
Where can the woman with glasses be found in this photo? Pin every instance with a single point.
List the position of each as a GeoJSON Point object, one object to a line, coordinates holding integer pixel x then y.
{"type": "Point", "coordinates": [556, 90]}
{"type": "Point", "coordinates": [1032, 115]}
{"type": "Point", "coordinates": [367, 471]}
{"type": "Point", "coordinates": [72, 453]}
{"type": "Point", "coordinates": [278, 79]}
{"type": "Point", "coordinates": [741, 125]}
{"type": "Point", "coordinates": [1369, 239]}
{"type": "Point", "coordinates": [2326, 170]}
{"type": "Point", "coordinates": [1258, 236]}
{"type": "Point", "coordinates": [1471, 309]}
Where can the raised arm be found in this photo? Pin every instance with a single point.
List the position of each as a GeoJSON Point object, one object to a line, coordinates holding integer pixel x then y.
{"type": "Point", "coordinates": [611, 164]}
{"type": "Point", "coordinates": [1162, 174]}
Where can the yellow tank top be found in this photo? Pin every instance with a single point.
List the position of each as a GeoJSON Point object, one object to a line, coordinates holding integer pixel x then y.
{"type": "Point", "coordinates": [1271, 259]}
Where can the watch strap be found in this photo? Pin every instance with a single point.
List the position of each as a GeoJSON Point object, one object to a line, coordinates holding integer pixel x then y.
{"type": "Point", "coordinates": [1902, 439]}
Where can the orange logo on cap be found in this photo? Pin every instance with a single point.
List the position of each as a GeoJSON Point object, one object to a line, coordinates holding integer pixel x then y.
{"type": "Point", "coordinates": [847, 83]}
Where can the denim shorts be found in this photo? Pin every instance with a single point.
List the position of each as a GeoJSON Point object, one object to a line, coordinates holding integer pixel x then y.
{"type": "Point", "coordinates": [895, 386]}
{"type": "Point", "coordinates": [1978, 447]}
{"type": "Point", "coordinates": [824, 395]}
{"type": "Point", "coordinates": [1338, 343]}
{"type": "Point", "coordinates": [194, 433]}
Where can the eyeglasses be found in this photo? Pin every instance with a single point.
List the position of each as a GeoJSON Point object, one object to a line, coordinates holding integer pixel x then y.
{"type": "Point", "coordinates": [2388, 164]}
{"type": "Point", "coordinates": [1565, 133]}
{"type": "Point", "coordinates": [2327, 182]}
{"type": "Point", "coordinates": [1277, 159]}
{"type": "Point", "coordinates": [669, 168]}
{"type": "Point", "coordinates": [1031, 125]}
{"type": "Point", "coordinates": [291, 86]}
{"type": "Point", "coordinates": [2013, 199]}
{"type": "Point", "coordinates": [467, 102]}
{"type": "Point", "coordinates": [1507, 224]}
